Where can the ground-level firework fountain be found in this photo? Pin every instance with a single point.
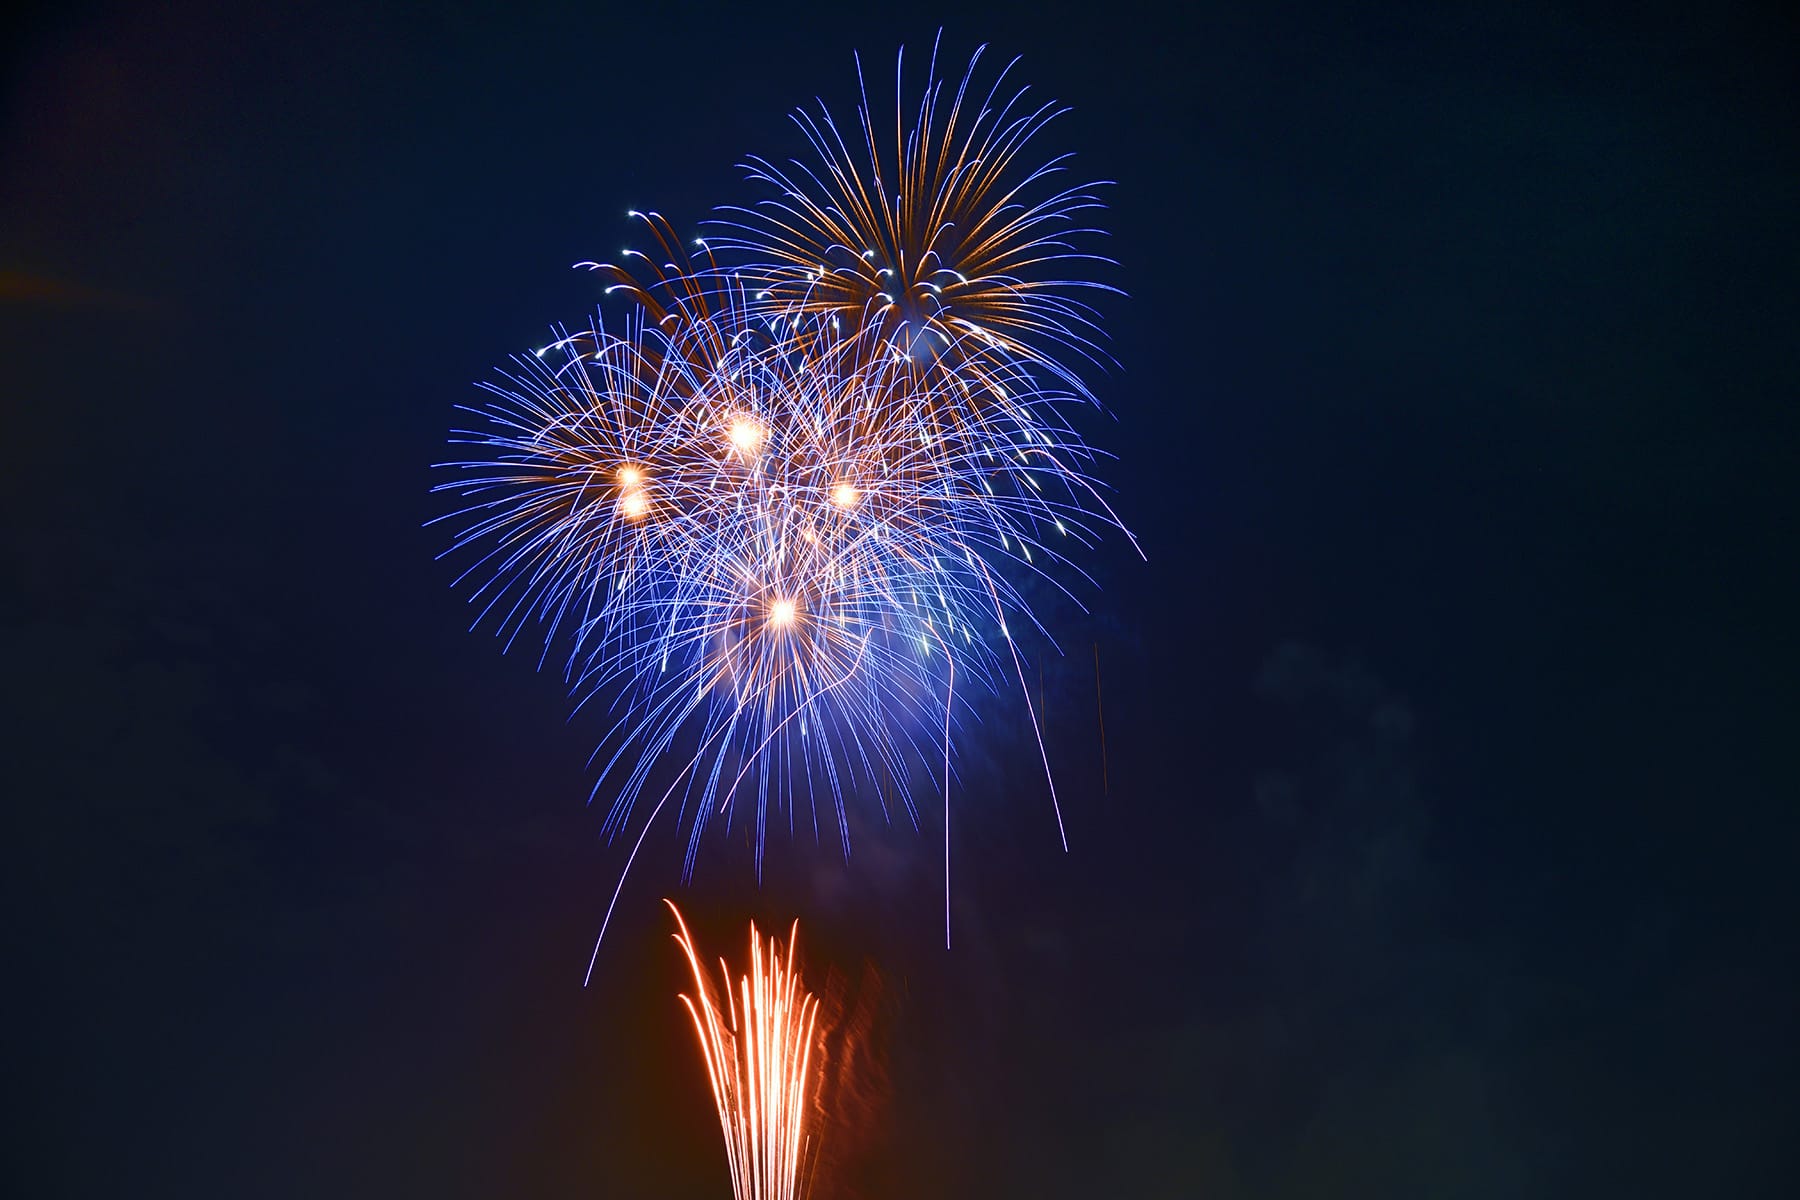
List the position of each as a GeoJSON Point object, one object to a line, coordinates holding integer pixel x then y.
{"type": "Point", "coordinates": [759, 1045]}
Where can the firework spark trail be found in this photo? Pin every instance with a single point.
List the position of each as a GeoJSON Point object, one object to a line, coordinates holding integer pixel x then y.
{"type": "Point", "coordinates": [772, 521]}
{"type": "Point", "coordinates": [758, 522]}
{"type": "Point", "coordinates": [758, 1047]}
{"type": "Point", "coordinates": [935, 235]}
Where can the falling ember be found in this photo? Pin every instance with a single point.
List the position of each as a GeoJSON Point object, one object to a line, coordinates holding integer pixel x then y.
{"type": "Point", "coordinates": [759, 1060]}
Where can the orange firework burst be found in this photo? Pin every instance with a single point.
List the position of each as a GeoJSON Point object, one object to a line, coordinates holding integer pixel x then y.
{"type": "Point", "coordinates": [758, 1048]}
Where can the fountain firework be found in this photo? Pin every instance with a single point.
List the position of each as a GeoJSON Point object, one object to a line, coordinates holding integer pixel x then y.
{"type": "Point", "coordinates": [759, 1049]}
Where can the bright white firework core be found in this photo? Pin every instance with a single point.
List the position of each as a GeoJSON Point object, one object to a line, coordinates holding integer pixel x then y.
{"type": "Point", "coordinates": [843, 495]}
{"type": "Point", "coordinates": [781, 613]}
{"type": "Point", "coordinates": [746, 435]}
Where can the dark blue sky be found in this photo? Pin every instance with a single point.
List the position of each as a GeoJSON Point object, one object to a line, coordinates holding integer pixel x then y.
{"type": "Point", "coordinates": [1447, 837]}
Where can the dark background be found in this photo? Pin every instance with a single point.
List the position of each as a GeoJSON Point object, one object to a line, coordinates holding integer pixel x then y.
{"type": "Point", "coordinates": [1446, 836]}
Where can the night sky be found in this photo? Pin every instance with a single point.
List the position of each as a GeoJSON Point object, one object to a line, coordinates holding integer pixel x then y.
{"type": "Point", "coordinates": [1446, 836]}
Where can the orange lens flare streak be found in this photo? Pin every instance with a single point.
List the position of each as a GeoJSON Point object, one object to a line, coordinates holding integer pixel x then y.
{"type": "Point", "coordinates": [758, 1048]}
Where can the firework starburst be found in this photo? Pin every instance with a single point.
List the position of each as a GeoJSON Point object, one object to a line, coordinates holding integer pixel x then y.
{"type": "Point", "coordinates": [769, 521]}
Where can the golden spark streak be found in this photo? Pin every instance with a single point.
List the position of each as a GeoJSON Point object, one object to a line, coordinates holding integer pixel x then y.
{"type": "Point", "coordinates": [758, 1052]}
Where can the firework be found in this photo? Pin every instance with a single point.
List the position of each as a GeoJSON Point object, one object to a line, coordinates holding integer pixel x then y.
{"type": "Point", "coordinates": [758, 1045]}
{"type": "Point", "coordinates": [940, 235]}
{"type": "Point", "coordinates": [770, 523]}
